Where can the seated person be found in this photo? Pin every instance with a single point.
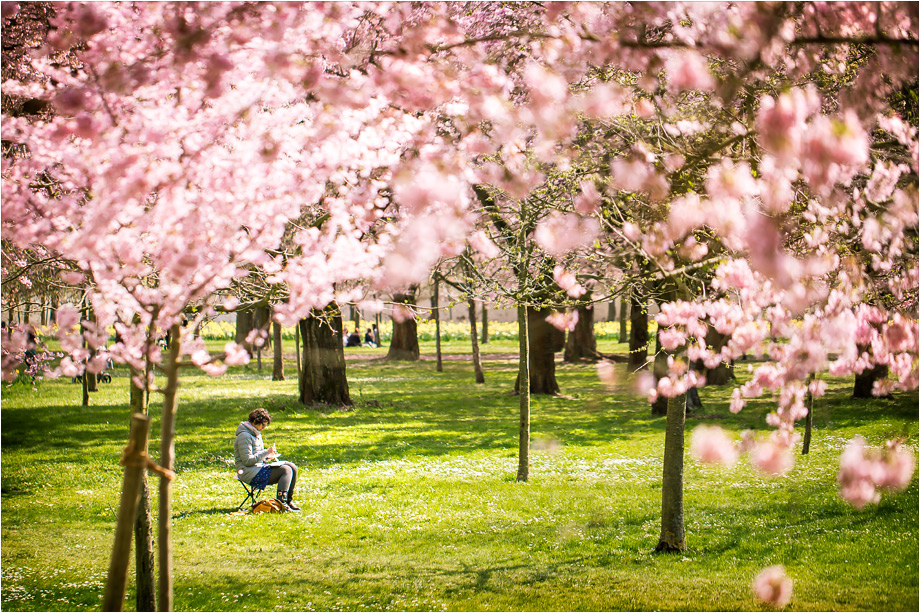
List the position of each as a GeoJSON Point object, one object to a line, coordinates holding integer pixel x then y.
{"type": "Point", "coordinates": [354, 339]}
{"type": "Point", "coordinates": [251, 455]}
{"type": "Point", "coordinates": [369, 338]}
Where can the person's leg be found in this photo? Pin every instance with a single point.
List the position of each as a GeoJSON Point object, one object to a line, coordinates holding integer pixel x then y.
{"type": "Point", "coordinates": [282, 476]}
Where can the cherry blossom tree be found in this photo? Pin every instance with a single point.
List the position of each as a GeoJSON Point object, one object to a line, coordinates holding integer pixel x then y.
{"type": "Point", "coordinates": [748, 154]}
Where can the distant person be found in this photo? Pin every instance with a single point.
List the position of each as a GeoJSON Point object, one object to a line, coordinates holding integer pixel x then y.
{"type": "Point", "coordinates": [251, 457]}
{"type": "Point", "coordinates": [369, 338]}
{"type": "Point", "coordinates": [354, 339]}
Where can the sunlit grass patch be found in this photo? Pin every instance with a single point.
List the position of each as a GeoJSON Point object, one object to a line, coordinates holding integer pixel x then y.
{"type": "Point", "coordinates": [410, 502]}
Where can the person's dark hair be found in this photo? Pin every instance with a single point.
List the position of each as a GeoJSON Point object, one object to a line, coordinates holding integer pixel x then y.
{"type": "Point", "coordinates": [259, 416]}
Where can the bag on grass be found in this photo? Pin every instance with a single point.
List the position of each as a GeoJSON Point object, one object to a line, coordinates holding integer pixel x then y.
{"type": "Point", "coordinates": [267, 506]}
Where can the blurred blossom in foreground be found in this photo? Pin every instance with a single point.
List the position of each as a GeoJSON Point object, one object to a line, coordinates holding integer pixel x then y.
{"type": "Point", "coordinates": [772, 586]}
{"type": "Point", "coordinates": [863, 471]}
{"type": "Point", "coordinates": [606, 372]}
{"type": "Point", "coordinates": [710, 444]}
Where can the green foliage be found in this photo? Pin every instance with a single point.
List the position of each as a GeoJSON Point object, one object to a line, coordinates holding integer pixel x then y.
{"type": "Point", "coordinates": [409, 499]}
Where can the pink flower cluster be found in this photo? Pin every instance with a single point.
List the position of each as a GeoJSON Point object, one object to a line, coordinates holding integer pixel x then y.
{"type": "Point", "coordinates": [773, 586]}
{"type": "Point", "coordinates": [864, 471]}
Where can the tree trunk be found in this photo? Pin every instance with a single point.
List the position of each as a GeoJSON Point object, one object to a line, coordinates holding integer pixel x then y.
{"type": "Point", "coordinates": [581, 344]}
{"type": "Point", "coordinates": [724, 373]}
{"type": "Point", "coordinates": [297, 353]}
{"type": "Point", "coordinates": [862, 386]}
{"type": "Point", "coordinates": [612, 310]}
{"type": "Point", "coordinates": [117, 580]}
{"type": "Point", "coordinates": [324, 380]}
{"type": "Point", "coordinates": [624, 315]}
{"type": "Point", "coordinates": [672, 482]}
{"type": "Point", "coordinates": [809, 419]}
{"type": "Point", "coordinates": [474, 337]}
{"type": "Point", "coordinates": [660, 370]}
{"type": "Point", "coordinates": [404, 343]}
{"type": "Point", "coordinates": [167, 460]}
{"type": "Point", "coordinates": [243, 328]}
{"type": "Point", "coordinates": [485, 324]}
{"type": "Point", "coordinates": [638, 334]}
{"type": "Point", "coordinates": [524, 394]}
{"type": "Point", "coordinates": [278, 362]}
{"type": "Point", "coordinates": [436, 313]}
{"type": "Point", "coordinates": [144, 555]}
{"type": "Point", "coordinates": [543, 343]}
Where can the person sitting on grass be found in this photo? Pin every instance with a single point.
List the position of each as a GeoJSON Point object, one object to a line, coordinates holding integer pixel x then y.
{"type": "Point", "coordinates": [251, 456]}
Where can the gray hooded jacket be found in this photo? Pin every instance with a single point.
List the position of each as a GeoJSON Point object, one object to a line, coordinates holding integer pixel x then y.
{"type": "Point", "coordinates": [250, 452]}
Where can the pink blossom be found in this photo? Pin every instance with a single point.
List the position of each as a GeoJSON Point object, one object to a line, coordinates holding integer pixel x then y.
{"type": "Point", "coordinates": [567, 281]}
{"type": "Point", "coordinates": [588, 200]}
{"type": "Point", "coordinates": [560, 233]}
{"type": "Point", "coordinates": [606, 372]}
{"type": "Point", "coordinates": [235, 355]}
{"type": "Point", "coordinates": [563, 320]}
{"type": "Point", "coordinates": [737, 402]}
{"type": "Point", "coordinates": [689, 71]}
{"type": "Point", "coordinates": [484, 245]}
{"type": "Point", "coordinates": [863, 470]}
{"type": "Point", "coordinates": [672, 338]}
{"type": "Point", "coordinates": [710, 444]}
{"type": "Point", "coordinates": [401, 313]}
{"type": "Point", "coordinates": [773, 586]}
{"type": "Point", "coordinates": [772, 457]}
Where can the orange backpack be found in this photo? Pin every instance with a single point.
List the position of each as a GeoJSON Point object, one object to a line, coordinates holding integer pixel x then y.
{"type": "Point", "coordinates": [269, 505]}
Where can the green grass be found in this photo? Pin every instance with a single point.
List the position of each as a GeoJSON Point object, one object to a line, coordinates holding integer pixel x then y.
{"type": "Point", "coordinates": [410, 501]}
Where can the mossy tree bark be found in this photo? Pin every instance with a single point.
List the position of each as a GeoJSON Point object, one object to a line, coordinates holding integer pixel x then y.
{"type": "Point", "coordinates": [323, 379]}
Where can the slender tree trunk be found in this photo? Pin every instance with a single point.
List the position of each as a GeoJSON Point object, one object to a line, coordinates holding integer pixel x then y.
{"type": "Point", "coordinates": [624, 315]}
{"type": "Point", "coordinates": [356, 318]}
{"type": "Point", "coordinates": [278, 362]}
{"type": "Point", "coordinates": [377, 329]}
{"type": "Point", "coordinates": [581, 344]}
{"type": "Point", "coordinates": [324, 379]}
{"type": "Point", "coordinates": [660, 370]}
{"type": "Point", "coordinates": [672, 483]}
{"type": "Point", "coordinates": [809, 419]}
{"type": "Point", "coordinates": [167, 460]}
{"type": "Point", "coordinates": [612, 310]}
{"type": "Point", "coordinates": [474, 337]}
{"type": "Point", "coordinates": [524, 394]}
{"type": "Point", "coordinates": [297, 353]}
{"type": "Point", "coordinates": [117, 581]}
{"type": "Point", "coordinates": [144, 556]}
{"type": "Point", "coordinates": [404, 343]}
{"type": "Point", "coordinates": [485, 324]}
{"type": "Point", "coordinates": [638, 334]}
{"type": "Point", "coordinates": [436, 312]}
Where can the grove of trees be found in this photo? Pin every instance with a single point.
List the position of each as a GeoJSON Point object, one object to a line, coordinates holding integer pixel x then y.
{"type": "Point", "coordinates": [751, 168]}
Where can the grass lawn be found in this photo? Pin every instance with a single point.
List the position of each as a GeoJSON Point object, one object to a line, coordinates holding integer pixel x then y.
{"type": "Point", "coordinates": [410, 501]}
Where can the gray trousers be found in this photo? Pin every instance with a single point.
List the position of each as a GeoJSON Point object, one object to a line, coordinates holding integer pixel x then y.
{"type": "Point", "coordinates": [286, 478]}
